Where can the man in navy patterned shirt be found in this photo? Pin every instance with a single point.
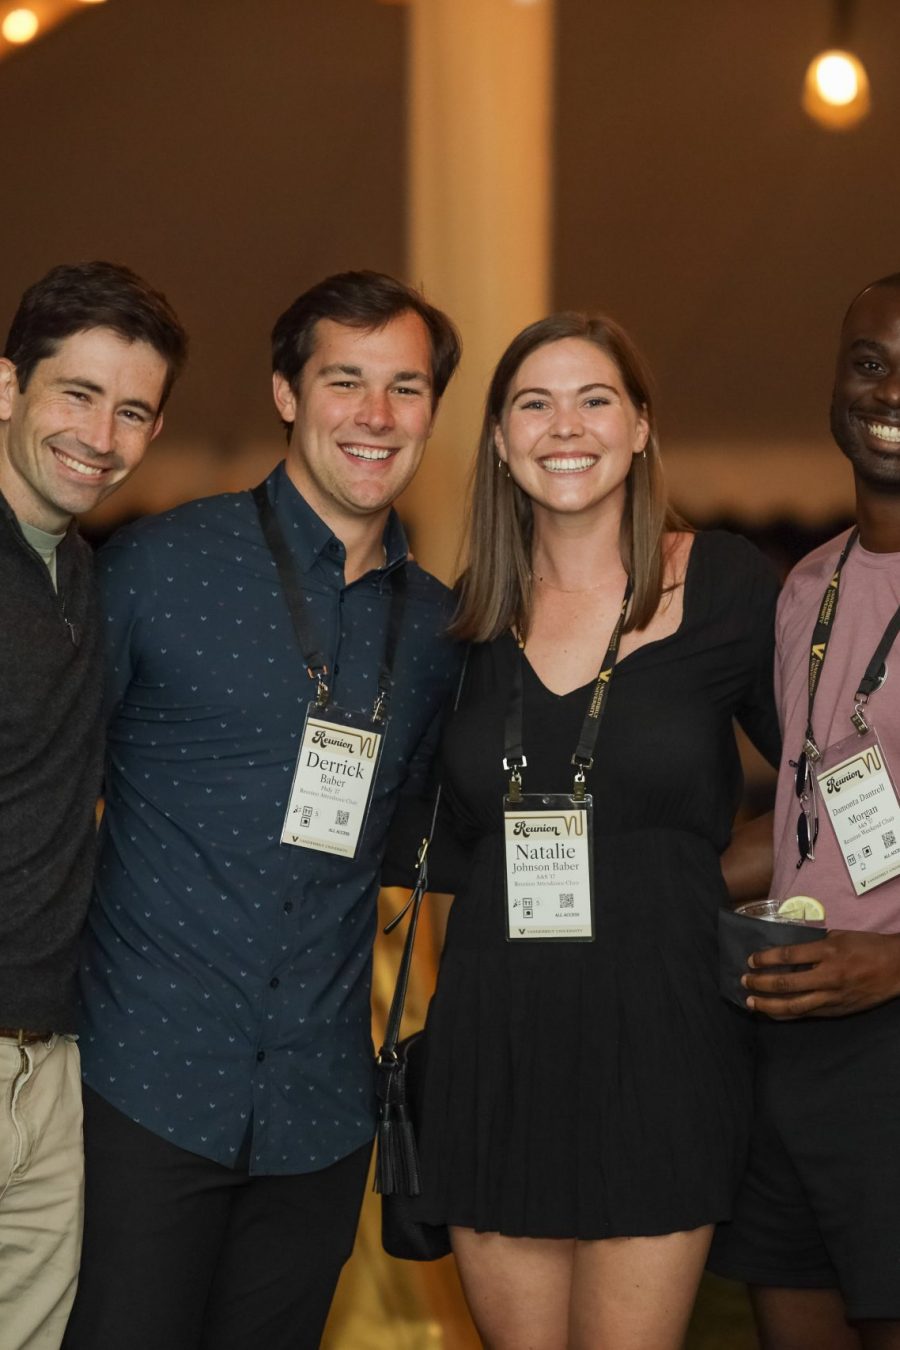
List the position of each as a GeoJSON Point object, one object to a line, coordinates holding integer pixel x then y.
{"type": "Point", "coordinates": [226, 1042]}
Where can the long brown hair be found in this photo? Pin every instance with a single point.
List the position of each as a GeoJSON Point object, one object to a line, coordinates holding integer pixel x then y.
{"type": "Point", "coordinates": [495, 588]}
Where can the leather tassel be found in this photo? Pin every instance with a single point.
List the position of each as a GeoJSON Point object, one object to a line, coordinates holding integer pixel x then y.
{"type": "Point", "coordinates": [396, 1156]}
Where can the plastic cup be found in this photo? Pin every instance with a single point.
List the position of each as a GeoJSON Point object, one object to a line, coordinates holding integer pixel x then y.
{"type": "Point", "coordinates": [750, 928]}
{"type": "Point", "coordinates": [768, 911]}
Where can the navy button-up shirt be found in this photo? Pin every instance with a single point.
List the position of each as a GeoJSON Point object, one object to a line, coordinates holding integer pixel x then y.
{"type": "Point", "coordinates": [225, 976]}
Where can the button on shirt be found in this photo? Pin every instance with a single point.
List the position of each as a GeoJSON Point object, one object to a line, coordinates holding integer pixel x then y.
{"type": "Point", "coordinates": [225, 976]}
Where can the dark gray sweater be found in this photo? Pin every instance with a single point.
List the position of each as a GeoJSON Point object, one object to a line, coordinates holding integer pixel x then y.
{"type": "Point", "coordinates": [51, 756]}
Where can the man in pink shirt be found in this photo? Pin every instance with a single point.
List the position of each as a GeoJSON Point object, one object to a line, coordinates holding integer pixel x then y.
{"type": "Point", "coordinates": [816, 1232]}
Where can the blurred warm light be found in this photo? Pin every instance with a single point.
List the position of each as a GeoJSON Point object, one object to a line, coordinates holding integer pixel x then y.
{"type": "Point", "coordinates": [836, 90]}
{"type": "Point", "coordinates": [836, 77]}
{"type": "Point", "coordinates": [20, 25]}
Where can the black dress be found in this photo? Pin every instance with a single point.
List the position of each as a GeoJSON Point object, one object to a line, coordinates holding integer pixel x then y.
{"type": "Point", "coordinates": [598, 1089]}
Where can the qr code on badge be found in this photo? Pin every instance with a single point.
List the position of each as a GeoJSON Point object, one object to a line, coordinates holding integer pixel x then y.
{"type": "Point", "coordinates": [566, 900]}
{"type": "Point", "coordinates": [889, 839]}
{"type": "Point", "coordinates": [342, 817]}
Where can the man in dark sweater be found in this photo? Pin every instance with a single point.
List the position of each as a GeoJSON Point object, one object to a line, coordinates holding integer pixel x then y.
{"type": "Point", "coordinates": [88, 364]}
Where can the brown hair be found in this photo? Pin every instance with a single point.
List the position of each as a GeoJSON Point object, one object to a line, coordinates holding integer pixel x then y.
{"type": "Point", "coordinates": [495, 589]}
{"type": "Point", "coordinates": [367, 300]}
{"type": "Point", "coordinates": [76, 297]}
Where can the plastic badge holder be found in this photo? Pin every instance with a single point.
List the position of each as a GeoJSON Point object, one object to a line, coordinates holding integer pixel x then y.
{"type": "Point", "coordinates": [740, 935]}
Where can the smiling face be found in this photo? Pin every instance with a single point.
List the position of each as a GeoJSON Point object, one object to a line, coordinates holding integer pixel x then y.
{"type": "Point", "coordinates": [865, 406]}
{"type": "Point", "coordinates": [80, 427]}
{"type": "Point", "coordinates": [569, 429]}
{"type": "Point", "coordinates": [361, 416]}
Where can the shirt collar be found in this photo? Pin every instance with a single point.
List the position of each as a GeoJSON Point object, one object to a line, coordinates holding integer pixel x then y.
{"type": "Point", "coordinates": [63, 539]}
{"type": "Point", "coordinates": [42, 541]}
{"type": "Point", "coordinates": [309, 538]}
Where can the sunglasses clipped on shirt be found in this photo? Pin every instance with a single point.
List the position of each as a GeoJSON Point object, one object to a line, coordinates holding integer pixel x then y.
{"type": "Point", "coordinates": [808, 820]}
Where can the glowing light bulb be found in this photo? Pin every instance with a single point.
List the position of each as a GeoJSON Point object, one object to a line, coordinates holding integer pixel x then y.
{"type": "Point", "coordinates": [836, 78]}
{"type": "Point", "coordinates": [836, 90]}
{"type": "Point", "coordinates": [20, 25]}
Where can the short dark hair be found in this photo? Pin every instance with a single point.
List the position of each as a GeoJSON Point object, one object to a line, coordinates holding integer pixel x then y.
{"type": "Point", "coordinates": [366, 300]}
{"type": "Point", "coordinates": [75, 297]}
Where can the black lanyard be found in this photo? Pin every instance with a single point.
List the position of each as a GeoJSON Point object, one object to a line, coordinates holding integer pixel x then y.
{"type": "Point", "coordinates": [514, 759]}
{"type": "Point", "coordinates": [875, 670]}
{"type": "Point", "coordinates": [313, 658]}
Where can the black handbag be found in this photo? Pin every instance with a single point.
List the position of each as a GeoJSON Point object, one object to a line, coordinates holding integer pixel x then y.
{"type": "Point", "coordinates": [399, 1079]}
{"type": "Point", "coordinates": [399, 1074]}
{"type": "Point", "coordinates": [402, 1235]}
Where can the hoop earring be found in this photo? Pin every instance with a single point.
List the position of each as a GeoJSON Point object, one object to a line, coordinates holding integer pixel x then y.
{"type": "Point", "coordinates": [501, 465]}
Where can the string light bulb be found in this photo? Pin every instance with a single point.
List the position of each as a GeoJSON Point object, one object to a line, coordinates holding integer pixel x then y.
{"type": "Point", "coordinates": [836, 86]}
{"type": "Point", "coordinates": [836, 90]}
{"type": "Point", "coordinates": [19, 26]}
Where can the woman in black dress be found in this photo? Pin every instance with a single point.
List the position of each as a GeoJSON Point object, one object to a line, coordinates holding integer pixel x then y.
{"type": "Point", "coordinates": [587, 1091]}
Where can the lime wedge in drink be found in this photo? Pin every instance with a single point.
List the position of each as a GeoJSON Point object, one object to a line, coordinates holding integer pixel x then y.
{"type": "Point", "coordinates": [802, 907]}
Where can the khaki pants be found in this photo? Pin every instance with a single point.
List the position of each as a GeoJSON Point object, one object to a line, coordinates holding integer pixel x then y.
{"type": "Point", "coordinates": [41, 1191]}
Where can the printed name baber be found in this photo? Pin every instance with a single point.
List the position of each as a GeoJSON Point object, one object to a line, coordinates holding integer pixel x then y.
{"type": "Point", "coordinates": [333, 766]}
{"type": "Point", "coordinates": [536, 857]}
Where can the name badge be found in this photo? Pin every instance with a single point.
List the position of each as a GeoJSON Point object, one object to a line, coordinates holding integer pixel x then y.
{"type": "Point", "coordinates": [549, 868]}
{"type": "Point", "coordinates": [860, 800]}
{"type": "Point", "coordinates": [333, 781]}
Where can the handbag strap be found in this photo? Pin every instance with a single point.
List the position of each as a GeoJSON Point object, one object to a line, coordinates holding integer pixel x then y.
{"type": "Point", "coordinates": [388, 1051]}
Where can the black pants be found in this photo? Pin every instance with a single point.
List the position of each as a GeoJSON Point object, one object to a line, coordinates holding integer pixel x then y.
{"type": "Point", "coordinates": [181, 1253]}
